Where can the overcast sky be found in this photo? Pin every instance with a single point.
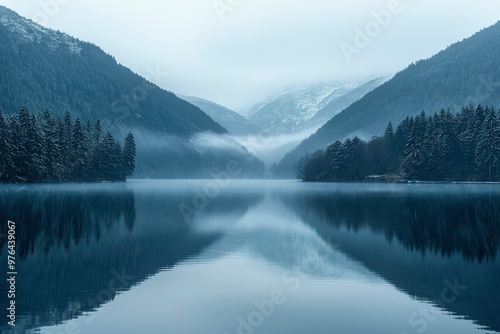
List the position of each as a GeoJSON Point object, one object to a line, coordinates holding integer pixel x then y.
{"type": "Point", "coordinates": [236, 52]}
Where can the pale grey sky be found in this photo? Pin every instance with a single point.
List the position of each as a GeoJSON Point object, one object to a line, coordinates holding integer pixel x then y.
{"type": "Point", "coordinates": [236, 52]}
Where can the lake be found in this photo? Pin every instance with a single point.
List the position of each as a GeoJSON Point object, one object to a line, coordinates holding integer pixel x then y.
{"type": "Point", "coordinates": [226, 257]}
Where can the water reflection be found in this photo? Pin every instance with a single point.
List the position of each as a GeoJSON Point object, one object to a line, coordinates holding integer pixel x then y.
{"type": "Point", "coordinates": [465, 223]}
{"type": "Point", "coordinates": [419, 238]}
{"type": "Point", "coordinates": [50, 218]}
{"type": "Point", "coordinates": [81, 246]}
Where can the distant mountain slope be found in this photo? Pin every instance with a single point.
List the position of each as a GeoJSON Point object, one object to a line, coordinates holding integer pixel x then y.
{"type": "Point", "coordinates": [44, 69]}
{"type": "Point", "coordinates": [467, 72]}
{"type": "Point", "coordinates": [299, 109]}
{"type": "Point", "coordinates": [340, 102]}
{"type": "Point", "coordinates": [229, 119]}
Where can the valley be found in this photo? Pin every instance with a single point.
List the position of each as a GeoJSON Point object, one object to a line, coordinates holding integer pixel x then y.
{"type": "Point", "coordinates": [250, 167]}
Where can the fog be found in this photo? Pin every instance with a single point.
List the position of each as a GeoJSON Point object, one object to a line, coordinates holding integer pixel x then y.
{"type": "Point", "coordinates": [237, 53]}
{"type": "Point", "coordinates": [202, 142]}
{"type": "Point", "coordinates": [271, 149]}
{"type": "Point", "coordinates": [209, 141]}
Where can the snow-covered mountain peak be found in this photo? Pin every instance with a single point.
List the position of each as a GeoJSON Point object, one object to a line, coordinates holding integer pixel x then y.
{"type": "Point", "coordinates": [303, 108]}
{"type": "Point", "coordinates": [33, 32]}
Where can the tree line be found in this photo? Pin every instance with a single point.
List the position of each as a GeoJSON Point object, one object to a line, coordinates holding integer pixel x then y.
{"type": "Point", "coordinates": [441, 147]}
{"type": "Point", "coordinates": [44, 148]}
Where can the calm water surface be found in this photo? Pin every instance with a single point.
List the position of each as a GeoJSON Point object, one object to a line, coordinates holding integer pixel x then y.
{"type": "Point", "coordinates": [254, 257]}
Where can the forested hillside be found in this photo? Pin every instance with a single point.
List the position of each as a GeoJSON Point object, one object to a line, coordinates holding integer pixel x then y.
{"type": "Point", "coordinates": [43, 148]}
{"type": "Point", "coordinates": [439, 147]}
{"type": "Point", "coordinates": [466, 73]}
{"type": "Point", "coordinates": [229, 119]}
{"type": "Point", "coordinates": [44, 69]}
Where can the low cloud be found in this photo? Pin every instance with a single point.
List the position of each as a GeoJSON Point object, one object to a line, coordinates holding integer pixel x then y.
{"type": "Point", "coordinates": [208, 141]}
{"type": "Point", "coordinates": [271, 149]}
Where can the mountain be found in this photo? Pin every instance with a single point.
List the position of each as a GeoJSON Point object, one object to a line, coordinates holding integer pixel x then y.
{"type": "Point", "coordinates": [467, 72]}
{"type": "Point", "coordinates": [341, 99]}
{"type": "Point", "coordinates": [307, 107]}
{"type": "Point", "coordinates": [45, 69]}
{"type": "Point", "coordinates": [229, 119]}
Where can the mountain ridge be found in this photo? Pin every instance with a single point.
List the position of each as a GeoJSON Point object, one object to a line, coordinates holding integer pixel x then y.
{"type": "Point", "coordinates": [466, 72]}
{"type": "Point", "coordinates": [229, 119]}
{"type": "Point", "coordinates": [104, 88]}
{"type": "Point", "coordinates": [43, 69]}
{"type": "Point", "coordinates": [299, 109]}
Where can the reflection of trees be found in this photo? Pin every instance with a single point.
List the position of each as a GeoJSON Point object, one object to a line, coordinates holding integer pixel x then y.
{"type": "Point", "coordinates": [74, 240]}
{"type": "Point", "coordinates": [46, 219]}
{"type": "Point", "coordinates": [446, 237]}
{"type": "Point", "coordinates": [466, 225]}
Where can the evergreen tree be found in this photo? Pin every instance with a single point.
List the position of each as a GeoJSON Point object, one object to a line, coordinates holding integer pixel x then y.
{"type": "Point", "coordinates": [40, 148]}
{"type": "Point", "coordinates": [487, 155]}
{"type": "Point", "coordinates": [16, 166]}
{"type": "Point", "coordinates": [25, 163]}
{"type": "Point", "coordinates": [402, 136]}
{"type": "Point", "coordinates": [448, 146]}
{"type": "Point", "coordinates": [466, 128]}
{"type": "Point", "coordinates": [66, 145]}
{"type": "Point", "coordinates": [300, 167]}
{"type": "Point", "coordinates": [50, 145]}
{"type": "Point", "coordinates": [5, 149]}
{"type": "Point", "coordinates": [128, 156]}
{"type": "Point", "coordinates": [389, 132]}
{"type": "Point", "coordinates": [465, 146]}
{"type": "Point", "coordinates": [343, 160]}
{"type": "Point", "coordinates": [59, 139]}
{"type": "Point", "coordinates": [334, 157]}
{"type": "Point", "coordinates": [97, 132]}
{"type": "Point", "coordinates": [389, 150]}
{"type": "Point", "coordinates": [355, 160]}
{"type": "Point", "coordinates": [37, 150]}
{"type": "Point", "coordinates": [79, 156]}
{"type": "Point", "coordinates": [108, 156]}
{"type": "Point", "coordinates": [417, 151]}
{"type": "Point", "coordinates": [314, 167]}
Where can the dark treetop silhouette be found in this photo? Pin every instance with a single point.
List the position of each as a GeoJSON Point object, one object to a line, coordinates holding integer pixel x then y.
{"type": "Point", "coordinates": [441, 147]}
{"type": "Point", "coordinates": [43, 148]}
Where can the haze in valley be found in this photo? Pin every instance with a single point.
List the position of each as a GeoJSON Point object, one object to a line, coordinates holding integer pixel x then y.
{"type": "Point", "coordinates": [239, 54]}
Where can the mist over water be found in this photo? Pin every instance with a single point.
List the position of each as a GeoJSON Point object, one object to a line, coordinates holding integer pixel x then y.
{"type": "Point", "coordinates": [267, 256]}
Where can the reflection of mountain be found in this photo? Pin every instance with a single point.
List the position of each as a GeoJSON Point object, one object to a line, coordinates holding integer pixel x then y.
{"type": "Point", "coordinates": [416, 241]}
{"type": "Point", "coordinates": [413, 237]}
{"type": "Point", "coordinates": [283, 239]}
{"type": "Point", "coordinates": [79, 241]}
